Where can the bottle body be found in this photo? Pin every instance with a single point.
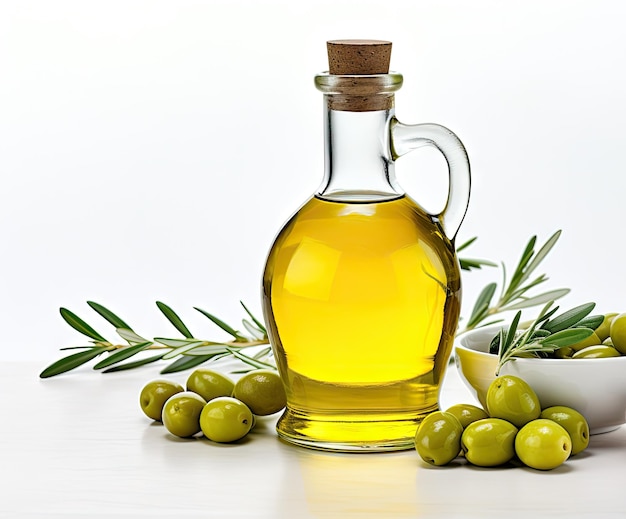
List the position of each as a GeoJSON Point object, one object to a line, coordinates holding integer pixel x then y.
{"type": "Point", "coordinates": [362, 302]}
{"type": "Point", "coordinates": [361, 288]}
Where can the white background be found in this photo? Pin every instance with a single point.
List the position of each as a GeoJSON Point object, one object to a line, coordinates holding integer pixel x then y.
{"type": "Point", "coordinates": [150, 150]}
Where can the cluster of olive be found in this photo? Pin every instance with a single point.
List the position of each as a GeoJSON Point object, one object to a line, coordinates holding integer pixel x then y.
{"type": "Point", "coordinates": [514, 425]}
{"type": "Point", "coordinates": [223, 410]}
{"type": "Point", "coordinates": [607, 340]}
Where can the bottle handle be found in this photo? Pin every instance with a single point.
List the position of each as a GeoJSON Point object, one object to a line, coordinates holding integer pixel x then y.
{"type": "Point", "coordinates": [408, 137]}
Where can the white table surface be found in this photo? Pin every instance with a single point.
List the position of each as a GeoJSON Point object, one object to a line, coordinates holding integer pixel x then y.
{"type": "Point", "coordinates": [78, 445]}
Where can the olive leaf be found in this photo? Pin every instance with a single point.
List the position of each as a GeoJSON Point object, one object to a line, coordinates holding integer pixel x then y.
{"type": "Point", "coordinates": [174, 319]}
{"type": "Point", "coordinates": [221, 324]}
{"type": "Point", "coordinates": [539, 257]}
{"type": "Point", "coordinates": [182, 349]}
{"type": "Point", "coordinates": [72, 361]}
{"type": "Point", "coordinates": [185, 362]}
{"type": "Point", "coordinates": [250, 360]}
{"type": "Point", "coordinates": [537, 300]}
{"type": "Point", "coordinates": [254, 319]}
{"type": "Point", "coordinates": [130, 336]}
{"type": "Point", "coordinates": [122, 354]}
{"type": "Point", "coordinates": [134, 364]}
{"type": "Point", "coordinates": [472, 263]}
{"type": "Point", "coordinates": [481, 307]}
{"type": "Point", "coordinates": [569, 318]}
{"type": "Point", "coordinates": [174, 343]}
{"type": "Point", "coordinates": [78, 324]}
{"type": "Point", "coordinates": [208, 349]}
{"type": "Point", "coordinates": [565, 338]}
{"type": "Point", "coordinates": [593, 322]}
{"type": "Point", "coordinates": [257, 333]}
{"type": "Point", "coordinates": [108, 315]}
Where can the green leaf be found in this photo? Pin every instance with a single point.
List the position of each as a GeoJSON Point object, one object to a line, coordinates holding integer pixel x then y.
{"type": "Point", "coordinates": [185, 362]}
{"type": "Point", "coordinates": [254, 319]}
{"type": "Point", "coordinates": [264, 352]}
{"type": "Point", "coordinates": [482, 304]}
{"type": "Point", "coordinates": [523, 289]}
{"type": "Point", "coordinates": [566, 337]}
{"type": "Point", "coordinates": [108, 315]}
{"type": "Point", "coordinates": [539, 257]}
{"type": "Point", "coordinates": [206, 350]}
{"type": "Point", "coordinates": [71, 361]}
{"type": "Point", "coordinates": [509, 336]}
{"type": "Point", "coordinates": [489, 323]}
{"type": "Point", "coordinates": [249, 360]}
{"type": "Point", "coordinates": [526, 256]}
{"type": "Point", "coordinates": [220, 323]}
{"type": "Point", "coordinates": [134, 364]}
{"type": "Point", "coordinates": [569, 318]}
{"type": "Point", "coordinates": [540, 333]}
{"type": "Point", "coordinates": [181, 349]}
{"type": "Point", "coordinates": [466, 244]}
{"type": "Point", "coordinates": [537, 300]}
{"type": "Point", "coordinates": [130, 336]}
{"type": "Point", "coordinates": [174, 343]}
{"type": "Point", "coordinates": [470, 263]}
{"type": "Point", "coordinates": [78, 324]}
{"type": "Point", "coordinates": [122, 354]}
{"type": "Point", "coordinates": [253, 330]}
{"type": "Point", "coordinates": [544, 315]}
{"type": "Point", "coordinates": [502, 292]}
{"type": "Point", "coordinates": [174, 319]}
{"type": "Point", "coordinates": [593, 321]}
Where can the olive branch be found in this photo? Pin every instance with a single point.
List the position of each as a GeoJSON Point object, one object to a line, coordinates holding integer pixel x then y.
{"type": "Point", "coordinates": [515, 292]}
{"type": "Point", "coordinates": [188, 351]}
{"type": "Point", "coordinates": [545, 334]}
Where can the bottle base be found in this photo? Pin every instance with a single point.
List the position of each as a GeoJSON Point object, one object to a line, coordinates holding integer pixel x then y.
{"type": "Point", "coordinates": [351, 432]}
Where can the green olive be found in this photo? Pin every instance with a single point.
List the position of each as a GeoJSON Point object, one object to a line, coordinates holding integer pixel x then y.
{"type": "Point", "coordinates": [467, 413]}
{"type": "Point", "coordinates": [181, 413]}
{"type": "Point", "coordinates": [596, 351]}
{"type": "Point", "coordinates": [489, 442]}
{"type": "Point", "coordinates": [564, 353]}
{"type": "Point", "coordinates": [154, 394]}
{"type": "Point", "coordinates": [225, 419]}
{"type": "Point", "coordinates": [511, 398]}
{"type": "Point", "coordinates": [604, 330]}
{"type": "Point", "coordinates": [543, 444]}
{"type": "Point", "coordinates": [438, 438]}
{"type": "Point", "coordinates": [618, 332]}
{"type": "Point", "coordinates": [573, 422]}
{"type": "Point", "coordinates": [262, 391]}
{"type": "Point", "coordinates": [592, 340]}
{"type": "Point", "coordinates": [209, 384]}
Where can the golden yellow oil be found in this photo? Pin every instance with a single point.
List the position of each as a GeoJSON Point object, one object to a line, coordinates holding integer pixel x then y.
{"type": "Point", "coordinates": [362, 302]}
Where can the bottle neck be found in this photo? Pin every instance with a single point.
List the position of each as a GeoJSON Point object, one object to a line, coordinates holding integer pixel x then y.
{"type": "Point", "coordinates": [357, 159]}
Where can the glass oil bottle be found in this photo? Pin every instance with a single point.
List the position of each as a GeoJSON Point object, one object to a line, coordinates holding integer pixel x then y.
{"type": "Point", "coordinates": [361, 289]}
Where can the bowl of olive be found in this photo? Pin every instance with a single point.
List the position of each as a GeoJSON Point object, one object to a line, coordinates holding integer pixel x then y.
{"type": "Point", "coordinates": [593, 385]}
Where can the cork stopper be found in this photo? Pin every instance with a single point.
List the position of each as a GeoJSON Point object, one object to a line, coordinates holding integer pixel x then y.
{"type": "Point", "coordinates": [349, 59]}
{"type": "Point", "coordinates": [358, 57]}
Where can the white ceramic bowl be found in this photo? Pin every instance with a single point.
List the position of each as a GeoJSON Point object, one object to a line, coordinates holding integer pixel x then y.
{"type": "Point", "coordinates": [594, 387]}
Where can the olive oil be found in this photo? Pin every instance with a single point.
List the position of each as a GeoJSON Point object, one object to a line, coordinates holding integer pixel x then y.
{"type": "Point", "coordinates": [362, 301]}
{"type": "Point", "coordinates": [361, 288]}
